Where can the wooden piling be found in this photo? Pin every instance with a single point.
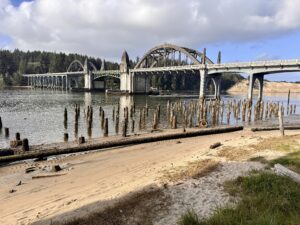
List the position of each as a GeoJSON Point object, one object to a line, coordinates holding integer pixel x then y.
{"type": "Point", "coordinates": [6, 132]}
{"type": "Point", "coordinates": [18, 137]}
{"type": "Point", "coordinates": [66, 137]}
{"type": "Point", "coordinates": [147, 109]}
{"type": "Point", "coordinates": [132, 126]}
{"type": "Point", "coordinates": [102, 119]}
{"type": "Point", "coordinates": [140, 120]}
{"type": "Point", "coordinates": [1, 123]}
{"type": "Point", "coordinates": [155, 120]}
{"type": "Point", "coordinates": [117, 124]}
{"type": "Point", "coordinates": [158, 112]}
{"type": "Point", "coordinates": [66, 118]}
{"type": "Point", "coordinates": [25, 144]}
{"type": "Point", "coordinates": [124, 129]}
{"type": "Point", "coordinates": [105, 127]}
{"type": "Point", "coordinates": [288, 102]}
{"type": "Point", "coordinates": [113, 114]}
{"type": "Point", "coordinates": [174, 122]}
{"type": "Point", "coordinates": [81, 140]}
{"type": "Point", "coordinates": [281, 123]}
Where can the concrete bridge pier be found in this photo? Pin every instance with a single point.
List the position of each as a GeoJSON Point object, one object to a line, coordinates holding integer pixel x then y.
{"type": "Point", "coordinates": [203, 78]}
{"type": "Point", "coordinates": [88, 80]}
{"type": "Point", "coordinates": [140, 83]}
{"type": "Point", "coordinates": [252, 79]}
{"type": "Point", "coordinates": [126, 78]}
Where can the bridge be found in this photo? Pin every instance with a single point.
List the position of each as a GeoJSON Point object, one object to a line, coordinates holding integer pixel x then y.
{"type": "Point", "coordinates": [165, 59]}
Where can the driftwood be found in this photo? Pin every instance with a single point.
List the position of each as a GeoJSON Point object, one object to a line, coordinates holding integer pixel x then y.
{"type": "Point", "coordinates": [6, 152]}
{"type": "Point", "coordinates": [215, 145]}
{"type": "Point", "coordinates": [49, 175]}
{"type": "Point", "coordinates": [255, 129]}
{"type": "Point", "coordinates": [281, 170]}
{"type": "Point", "coordinates": [118, 143]}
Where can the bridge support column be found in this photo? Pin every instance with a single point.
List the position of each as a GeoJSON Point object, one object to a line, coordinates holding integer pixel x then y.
{"type": "Point", "coordinates": [139, 83]}
{"type": "Point", "coordinates": [252, 78]}
{"type": "Point", "coordinates": [88, 81]}
{"type": "Point", "coordinates": [67, 83]}
{"type": "Point", "coordinates": [217, 83]}
{"type": "Point", "coordinates": [126, 78]}
{"type": "Point", "coordinates": [203, 75]}
{"type": "Point", "coordinates": [56, 82]}
{"type": "Point", "coordinates": [260, 79]}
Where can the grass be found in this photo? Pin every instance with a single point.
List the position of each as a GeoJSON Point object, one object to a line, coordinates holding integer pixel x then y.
{"type": "Point", "coordinates": [291, 160]}
{"type": "Point", "coordinates": [265, 199]}
{"type": "Point", "coordinates": [289, 145]}
{"type": "Point", "coordinates": [189, 218]}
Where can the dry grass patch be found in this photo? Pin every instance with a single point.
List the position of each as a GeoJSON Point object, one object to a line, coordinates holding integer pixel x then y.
{"type": "Point", "coordinates": [236, 153]}
{"type": "Point", "coordinates": [286, 143]}
{"type": "Point", "coordinates": [194, 170]}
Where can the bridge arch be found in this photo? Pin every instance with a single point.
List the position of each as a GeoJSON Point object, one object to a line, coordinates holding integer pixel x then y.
{"type": "Point", "coordinates": [76, 61]}
{"type": "Point", "coordinates": [161, 52]}
{"type": "Point", "coordinates": [93, 66]}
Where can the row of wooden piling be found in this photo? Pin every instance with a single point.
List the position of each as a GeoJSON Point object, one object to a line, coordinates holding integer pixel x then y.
{"type": "Point", "coordinates": [188, 114]}
{"type": "Point", "coordinates": [17, 142]}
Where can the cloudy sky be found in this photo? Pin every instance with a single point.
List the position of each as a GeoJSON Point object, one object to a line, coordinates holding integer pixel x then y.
{"type": "Point", "coordinates": [243, 30]}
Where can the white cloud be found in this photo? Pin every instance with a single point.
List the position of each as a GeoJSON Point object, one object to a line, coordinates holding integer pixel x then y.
{"type": "Point", "coordinates": [104, 28]}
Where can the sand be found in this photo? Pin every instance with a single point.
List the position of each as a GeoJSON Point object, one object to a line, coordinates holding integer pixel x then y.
{"type": "Point", "coordinates": [90, 181]}
{"type": "Point", "coordinates": [269, 87]}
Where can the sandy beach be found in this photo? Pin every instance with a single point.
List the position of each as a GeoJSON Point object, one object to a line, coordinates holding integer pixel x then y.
{"type": "Point", "coordinates": [92, 181]}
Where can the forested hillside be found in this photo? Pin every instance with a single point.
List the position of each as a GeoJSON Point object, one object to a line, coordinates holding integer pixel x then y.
{"type": "Point", "coordinates": [14, 64]}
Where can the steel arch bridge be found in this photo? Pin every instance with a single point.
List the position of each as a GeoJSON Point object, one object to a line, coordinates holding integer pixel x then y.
{"type": "Point", "coordinates": [165, 59]}
{"type": "Point", "coordinates": [165, 55]}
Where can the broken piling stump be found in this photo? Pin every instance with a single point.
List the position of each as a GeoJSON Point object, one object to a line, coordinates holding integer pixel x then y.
{"type": "Point", "coordinates": [25, 144]}
{"type": "Point", "coordinates": [81, 140]}
{"type": "Point", "coordinates": [66, 137]}
{"type": "Point", "coordinates": [6, 132]}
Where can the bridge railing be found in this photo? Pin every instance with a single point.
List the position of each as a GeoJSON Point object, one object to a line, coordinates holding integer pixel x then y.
{"type": "Point", "coordinates": [53, 74]}
{"type": "Point", "coordinates": [100, 72]}
{"type": "Point", "coordinates": [257, 63]}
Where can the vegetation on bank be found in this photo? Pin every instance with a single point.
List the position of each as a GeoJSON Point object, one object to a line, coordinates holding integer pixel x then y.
{"type": "Point", "coordinates": [14, 64]}
{"type": "Point", "coordinates": [265, 198]}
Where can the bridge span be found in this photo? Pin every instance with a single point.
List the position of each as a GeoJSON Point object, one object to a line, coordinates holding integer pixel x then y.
{"type": "Point", "coordinates": [165, 59]}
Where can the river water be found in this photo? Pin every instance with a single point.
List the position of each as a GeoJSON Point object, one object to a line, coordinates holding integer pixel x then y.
{"type": "Point", "coordinates": [39, 114]}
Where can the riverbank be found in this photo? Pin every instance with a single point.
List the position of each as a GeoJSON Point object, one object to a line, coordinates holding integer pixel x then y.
{"type": "Point", "coordinates": [89, 182]}
{"type": "Point", "coordinates": [269, 87]}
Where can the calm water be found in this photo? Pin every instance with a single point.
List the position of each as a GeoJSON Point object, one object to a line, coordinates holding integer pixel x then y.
{"type": "Point", "coordinates": [38, 114]}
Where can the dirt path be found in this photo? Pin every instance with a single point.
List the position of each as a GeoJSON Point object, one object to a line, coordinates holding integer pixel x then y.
{"type": "Point", "coordinates": [97, 176]}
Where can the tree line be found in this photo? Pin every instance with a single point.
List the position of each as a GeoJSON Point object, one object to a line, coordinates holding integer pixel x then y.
{"type": "Point", "coordinates": [15, 63]}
